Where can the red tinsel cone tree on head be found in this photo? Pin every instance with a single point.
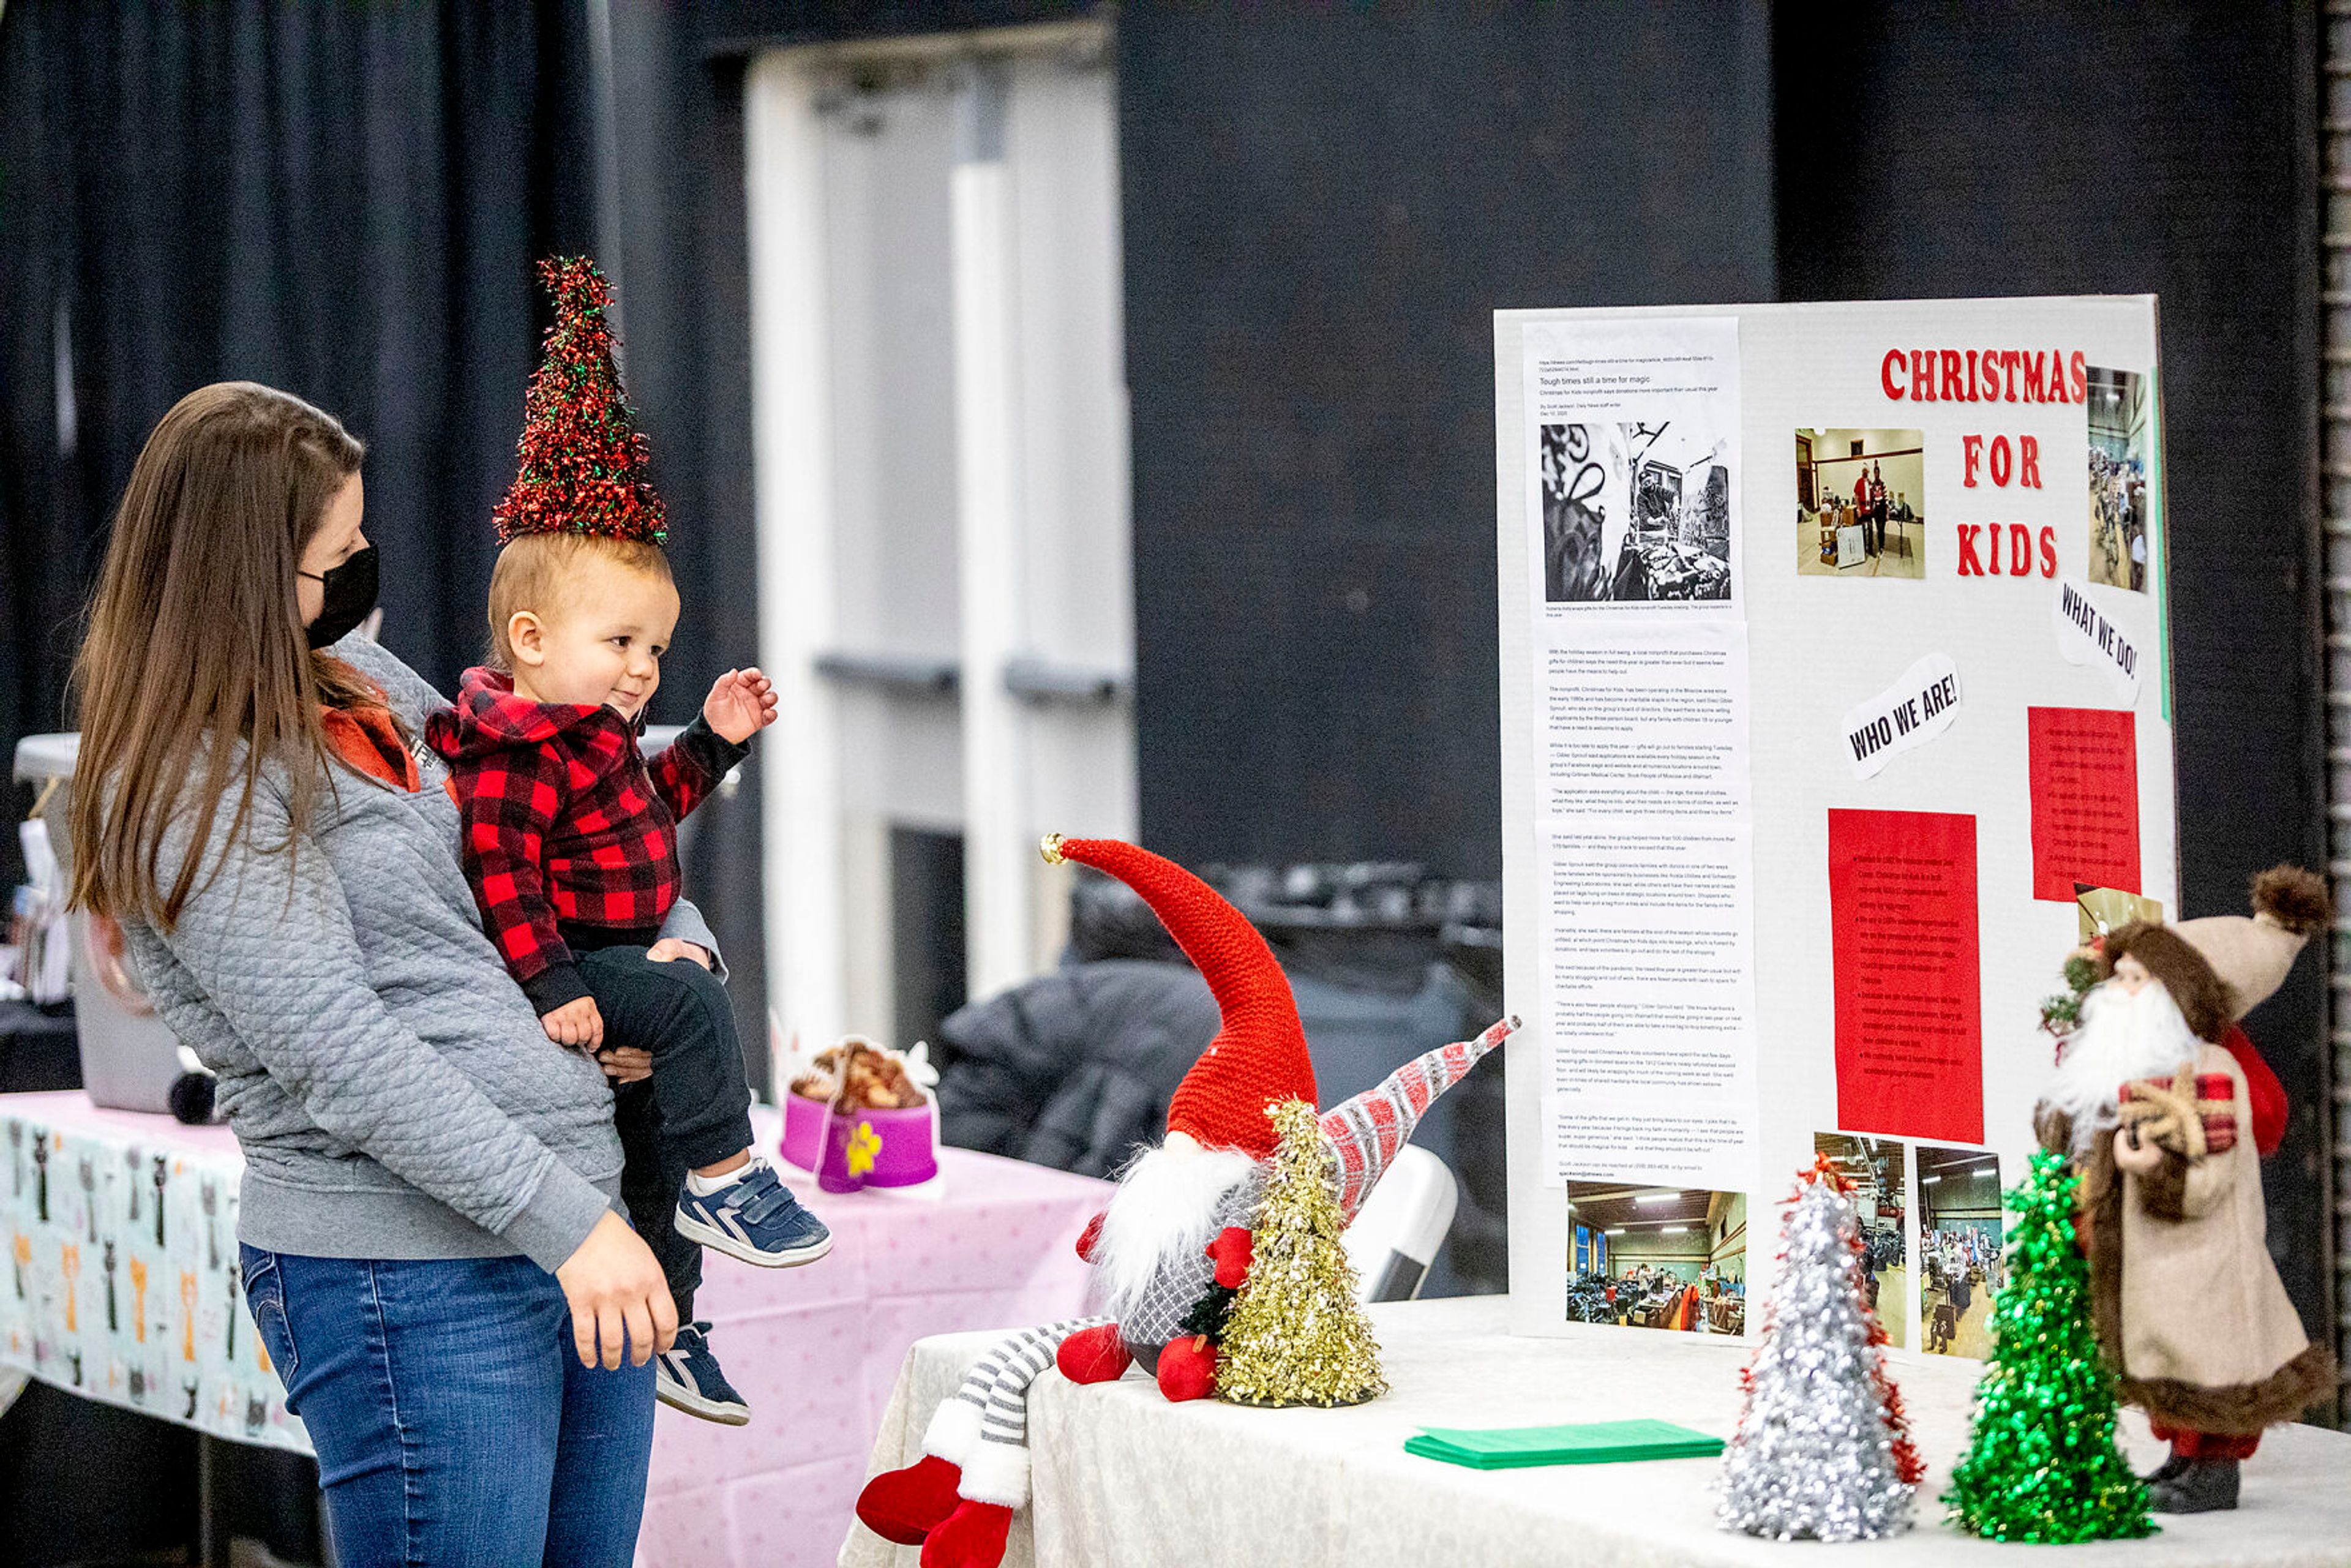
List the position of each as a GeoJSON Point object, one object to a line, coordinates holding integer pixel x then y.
{"type": "Point", "coordinates": [583, 459]}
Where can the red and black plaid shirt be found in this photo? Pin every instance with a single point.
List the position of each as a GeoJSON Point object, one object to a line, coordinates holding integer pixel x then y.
{"type": "Point", "coordinates": [571, 835]}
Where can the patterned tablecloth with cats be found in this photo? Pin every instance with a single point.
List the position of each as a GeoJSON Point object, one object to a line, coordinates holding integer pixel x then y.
{"type": "Point", "coordinates": [122, 1275]}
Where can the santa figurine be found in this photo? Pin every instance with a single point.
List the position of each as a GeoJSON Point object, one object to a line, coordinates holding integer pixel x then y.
{"type": "Point", "coordinates": [2153, 1099]}
{"type": "Point", "coordinates": [1173, 1243]}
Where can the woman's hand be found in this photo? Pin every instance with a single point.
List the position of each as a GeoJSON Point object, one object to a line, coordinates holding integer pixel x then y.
{"type": "Point", "coordinates": [618, 1297]}
{"type": "Point", "coordinates": [741, 704]}
{"type": "Point", "coordinates": [625, 1064]}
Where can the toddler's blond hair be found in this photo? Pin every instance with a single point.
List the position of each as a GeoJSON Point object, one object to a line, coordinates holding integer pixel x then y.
{"type": "Point", "coordinates": [535, 572]}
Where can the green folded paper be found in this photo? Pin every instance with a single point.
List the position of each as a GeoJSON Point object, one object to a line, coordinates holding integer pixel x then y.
{"type": "Point", "coordinates": [1592, 1443]}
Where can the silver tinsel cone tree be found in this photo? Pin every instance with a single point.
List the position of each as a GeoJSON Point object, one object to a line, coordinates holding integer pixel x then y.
{"type": "Point", "coordinates": [1822, 1452]}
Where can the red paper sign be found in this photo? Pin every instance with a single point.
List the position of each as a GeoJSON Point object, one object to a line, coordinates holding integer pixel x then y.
{"type": "Point", "coordinates": [2085, 800]}
{"type": "Point", "coordinates": [1909, 999]}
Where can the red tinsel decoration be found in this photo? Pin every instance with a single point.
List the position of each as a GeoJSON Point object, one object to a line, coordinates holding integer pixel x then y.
{"type": "Point", "coordinates": [583, 458]}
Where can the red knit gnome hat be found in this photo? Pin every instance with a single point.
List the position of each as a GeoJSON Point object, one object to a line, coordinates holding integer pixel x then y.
{"type": "Point", "coordinates": [583, 458]}
{"type": "Point", "coordinates": [1259, 1058]}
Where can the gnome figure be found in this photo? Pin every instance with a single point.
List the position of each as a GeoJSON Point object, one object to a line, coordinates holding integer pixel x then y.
{"type": "Point", "coordinates": [2151, 1101]}
{"type": "Point", "coordinates": [1175, 1241]}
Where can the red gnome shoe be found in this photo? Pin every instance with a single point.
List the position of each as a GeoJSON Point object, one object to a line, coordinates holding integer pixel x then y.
{"type": "Point", "coordinates": [971, 1537]}
{"type": "Point", "coordinates": [905, 1506]}
{"type": "Point", "coordinates": [1093, 1356]}
{"type": "Point", "coordinates": [1188, 1369]}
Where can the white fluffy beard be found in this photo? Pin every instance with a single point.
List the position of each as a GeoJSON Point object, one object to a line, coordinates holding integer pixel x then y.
{"type": "Point", "coordinates": [2121, 1037]}
{"type": "Point", "coordinates": [1165, 1207]}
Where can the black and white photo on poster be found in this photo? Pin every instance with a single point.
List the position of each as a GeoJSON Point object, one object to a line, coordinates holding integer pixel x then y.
{"type": "Point", "coordinates": [1632, 465]}
{"type": "Point", "coordinates": [1634, 512]}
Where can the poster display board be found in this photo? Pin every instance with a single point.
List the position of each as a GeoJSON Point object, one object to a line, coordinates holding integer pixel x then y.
{"type": "Point", "coordinates": [1835, 708]}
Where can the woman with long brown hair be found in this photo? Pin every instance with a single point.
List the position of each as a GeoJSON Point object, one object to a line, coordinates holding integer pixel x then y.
{"type": "Point", "coordinates": [430, 1182]}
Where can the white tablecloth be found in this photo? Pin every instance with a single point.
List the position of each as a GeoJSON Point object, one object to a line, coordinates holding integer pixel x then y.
{"type": "Point", "coordinates": [1123, 1477]}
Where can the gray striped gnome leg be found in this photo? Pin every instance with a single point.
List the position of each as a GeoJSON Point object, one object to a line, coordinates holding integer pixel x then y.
{"type": "Point", "coordinates": [996, 1470]}
{"type": "Point", "coordinates": [906, 1505]}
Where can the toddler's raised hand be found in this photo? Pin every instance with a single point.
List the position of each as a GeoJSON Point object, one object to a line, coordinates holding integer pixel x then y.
{"type": "Point", "coordinates": [741, 704]}
{"type": "Point", "coordinates": [576, 1024]}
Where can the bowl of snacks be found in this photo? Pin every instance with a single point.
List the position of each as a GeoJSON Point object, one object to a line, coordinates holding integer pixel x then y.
{"type": "Point", "coordinates": [860, 1115]}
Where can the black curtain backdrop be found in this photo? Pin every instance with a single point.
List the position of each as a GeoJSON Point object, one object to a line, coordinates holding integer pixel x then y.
{"type": "Point", "coordinates": [347, 202]}
{"type": "Point", "coordinates": [342, 201]}
{"type": "Point", "coordinates": [1323, 209]}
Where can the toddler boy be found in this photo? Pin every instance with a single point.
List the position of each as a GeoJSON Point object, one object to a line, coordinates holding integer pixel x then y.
{"type": "Point", "coordinates": [570, 842]}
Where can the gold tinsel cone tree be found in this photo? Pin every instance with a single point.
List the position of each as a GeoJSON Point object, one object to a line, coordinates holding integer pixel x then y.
{"type": "Point", "coordinates": [1295, 1336]}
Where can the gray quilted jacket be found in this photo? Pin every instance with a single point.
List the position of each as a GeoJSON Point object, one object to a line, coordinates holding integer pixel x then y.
{"type": "Point", "coordinates": [393, 1091]}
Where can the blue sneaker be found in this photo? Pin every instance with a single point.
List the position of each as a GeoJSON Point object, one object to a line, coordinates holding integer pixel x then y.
{"type": "Point", "coordinates": [754, 1217]}
{"type": "Point", "coordinates": [686, 1378]}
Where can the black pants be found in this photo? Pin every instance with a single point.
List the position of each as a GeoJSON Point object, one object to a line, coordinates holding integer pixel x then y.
{"type": "Point", "coordinates": [695, 1110]}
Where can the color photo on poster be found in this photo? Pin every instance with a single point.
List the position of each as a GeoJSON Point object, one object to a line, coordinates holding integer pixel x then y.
{"type": "Point", "coordinates": [1961, 1267]}
{"type": "Point", "coordinates": [1656, 1257]}
{"type": "Point", "coordinates": [1878, 1169]}
{"type": "Point", "coordinates": [2118, 411]}
{"type": "Point", "coordinates": [1634, 512]}
{"type": "Point", "coordinates": [1861, 503]}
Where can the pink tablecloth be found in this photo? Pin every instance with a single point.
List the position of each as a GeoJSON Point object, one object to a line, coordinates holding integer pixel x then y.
{"type": "Point", "coordinates": [815, 1351]}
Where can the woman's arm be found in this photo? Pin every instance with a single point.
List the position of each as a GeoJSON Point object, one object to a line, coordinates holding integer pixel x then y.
{"type": "Point", "coordinates": [412, 697]}
{"type": "Point", "coordinates": [686, 924]}
{"type": "Point", "coordinates": [269, 939]}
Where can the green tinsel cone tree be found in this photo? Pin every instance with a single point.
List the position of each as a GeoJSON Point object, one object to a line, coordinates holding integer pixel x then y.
{"type": "Point", "coordinates": [2042, 1465]}
{"type": "Point", "coordinates": [1295, 1335]}
{"type": "Point", "coordinates": [583, 458]}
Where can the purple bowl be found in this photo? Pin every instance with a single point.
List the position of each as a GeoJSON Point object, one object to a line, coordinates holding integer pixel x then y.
{"type": "Point", "coordinates": [878, 1148]}
{"type": "Point", "coordinates": [803, 1144]}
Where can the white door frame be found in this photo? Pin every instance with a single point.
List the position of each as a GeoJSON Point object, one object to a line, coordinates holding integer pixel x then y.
{"type": "Point", "coordinates": [791, 382]}
{"type": "Point", "coordinates": [1008, 728]}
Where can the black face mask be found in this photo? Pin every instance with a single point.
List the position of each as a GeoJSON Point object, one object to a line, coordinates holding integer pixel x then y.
{"type": "Point", "coordinates": [351, 591]}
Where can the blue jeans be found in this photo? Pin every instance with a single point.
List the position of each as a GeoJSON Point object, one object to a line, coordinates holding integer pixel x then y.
{"type": "Point", "coordinates": [453, 1421]}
